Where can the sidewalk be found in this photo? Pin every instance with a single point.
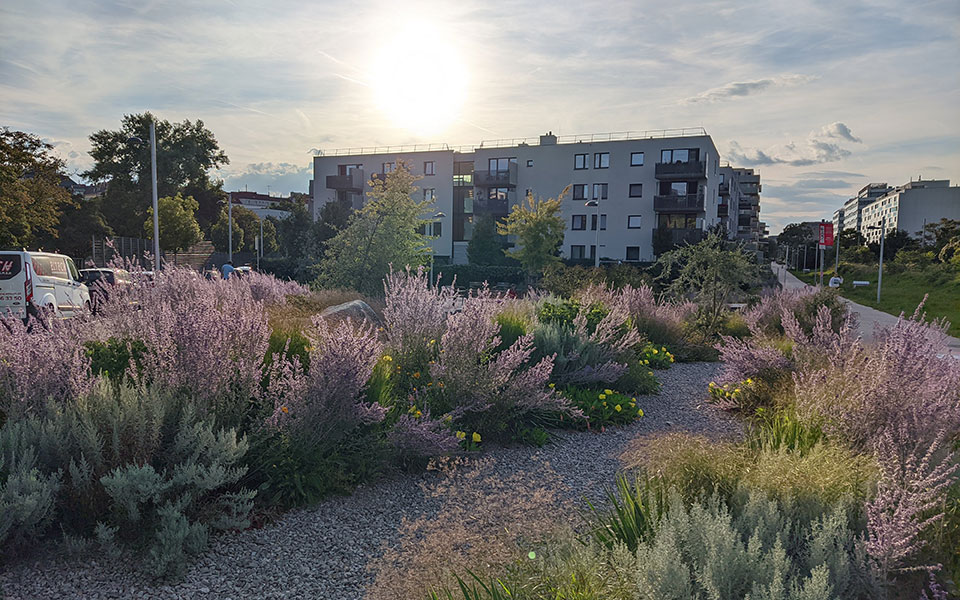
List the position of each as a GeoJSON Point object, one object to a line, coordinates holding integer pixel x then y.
{"type": "Point", "coordinates": [869, 318]}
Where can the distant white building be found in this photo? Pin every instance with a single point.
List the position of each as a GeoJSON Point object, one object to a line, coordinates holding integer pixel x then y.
{"type": "Point", "coordinates": [910, 207]}
{"type": "Point", "coordinates": [652, 189]}
{"type": "Point", "coordinates": [262, 204]}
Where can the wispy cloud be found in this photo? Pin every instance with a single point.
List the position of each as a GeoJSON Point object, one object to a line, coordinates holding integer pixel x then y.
{"type": "Point", "coordinates": [738, 89]}
{"type": "Point", "coordinates": [817, 149]}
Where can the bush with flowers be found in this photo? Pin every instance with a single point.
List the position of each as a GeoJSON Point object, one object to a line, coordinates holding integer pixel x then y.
{"type": "Point", "coordinates": [602, 408]}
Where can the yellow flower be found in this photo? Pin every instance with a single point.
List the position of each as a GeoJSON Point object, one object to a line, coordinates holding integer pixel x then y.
{"type": "Point", "coordinates": [655, 350]}
{"type": "Point", "coordinates": [711, 385]}
{"type": "Point", "coordinates": [639, 412]}
{"type": "Point", "coordinates": [433, 341]}
{"type": "Point", "coordinates": [429, 384]}
{"type": "Point", "coordinates": [749, 381]}
{"type": "Point", "coordinates": [664, 348]}
{"type": "Point", "coordinates": [671, 359]}
{"type": "Point", "coordinates": [440, 384]}
{"type": "Point", "coordinates": [416, 375]}
{"type": "Point", "coordinates": [417, 414]}
{"type": "Point", "coordinates": [633, 405]}
{"type": "Point", "coordinates": [476, 437]}
{"type": "Point", "coordinates": [552, 385]}
{"type": "Point", "coordinates": [736, 391]}
{"type": "Point", "coordinates": [604, 403]}
{"type": "Point", "coordinates": [646, 362]}
{"type": "Point", "coordinates": [608, 392]}
{"type": "Point", "coordinates": [603, 396]}
{"type": "Point", "coordinates": [650, 373]}
{"type": "Point", "coordinates": [284, 410]}
{"type": "Point", "coordinates": [461, 435]}
{"type": "Point", "coordinates": [387, 357]}
{"type": "Point", "coordinates": [618, 408]}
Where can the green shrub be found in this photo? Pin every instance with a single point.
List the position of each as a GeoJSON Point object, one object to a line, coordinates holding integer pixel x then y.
{"type": "Point", "coordinates": [708, 551]}
{"type": "Point", "coordinates": [602, 407]}
{"type": "Point", "coordinates": [493, 275]}
{"type": "Point", "coordinates": [632, 511]}
{"type": "Point", "coordinates": [782, 430]}
{"type": "Point", "coordinates": [512, 327]}
{"type": "Point", "coordinates": [147, 468]}
{"type": "Point", "coordinates": [809, 306]}
{"type": "Point", "coordinates": [289, 343]}
{"type": "Point", "coordinates": [656, 357]}
{"type": "Point", "coordinates": [638, 379]}
{"type": "Point", "coordinates": [734, 325]}
{"type": "Point", "coordinates": [27, 496]}
{"type": "Point", "coordinates": [573, 352]}
{"type": "Point", "coordinates": [563, 312]}
{"type": "Point", "coordinates": [114, 357]}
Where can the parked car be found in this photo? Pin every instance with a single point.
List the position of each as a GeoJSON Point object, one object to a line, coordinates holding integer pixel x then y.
{"type": "Point", "coordinates": [101, 281]}
{"type": "Point", "coordinates": [31, 282]}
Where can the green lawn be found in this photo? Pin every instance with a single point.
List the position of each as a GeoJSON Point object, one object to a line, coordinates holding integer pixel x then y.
{"type": "Point", "coordinates": [902, 291]}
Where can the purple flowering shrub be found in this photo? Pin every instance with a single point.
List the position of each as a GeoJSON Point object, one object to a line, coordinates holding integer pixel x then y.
{"type": "Point", "coordinates": [488, 390]}
{"type": "Point", "coordinates": [40, 364]}
{"type": "Point", "coordinates": [269, 289]}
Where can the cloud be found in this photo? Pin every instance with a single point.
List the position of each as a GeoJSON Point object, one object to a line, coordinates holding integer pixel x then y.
{"type": "Point", "coordinates": [817, 149]}
{"type": "Point", "coordinates": [280, 177]}
{"type": "Point", "coordinates": [747, 88]}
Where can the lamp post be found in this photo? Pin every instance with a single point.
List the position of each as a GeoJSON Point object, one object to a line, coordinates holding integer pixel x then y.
{"type": "Point", "coordinates": [153, 172]}
{"type": "Point", "coordinates": [883, 231]}
{"type": "Point", "coordinates": [439, 215]}
{"type": "Point", "coordinates": [596, 254]}
{"type": "Point", "coordinates": [229, 230]}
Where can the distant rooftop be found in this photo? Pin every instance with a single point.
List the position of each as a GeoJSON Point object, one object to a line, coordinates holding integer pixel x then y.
{"type": "Point", "coordinates": [527, 141]}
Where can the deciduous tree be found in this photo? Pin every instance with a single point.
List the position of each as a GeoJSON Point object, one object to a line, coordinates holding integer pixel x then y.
{"type": "Point", "coordinates": [178, 224]}
{"type": "Point", "coordinates": [539, 228]}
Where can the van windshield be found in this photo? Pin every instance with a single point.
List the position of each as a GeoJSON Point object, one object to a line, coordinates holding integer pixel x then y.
{"type": "Point", "coordinates": [10, 266]}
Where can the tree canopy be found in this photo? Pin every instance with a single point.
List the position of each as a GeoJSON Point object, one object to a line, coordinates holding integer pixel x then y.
{"type": "Point", "coordinates": [486, 246]}
{"type": "Point", "coordinates": [186, 152]}
{"type": "Point", "coordinates": [178, 224]}
{"type": "Point", "coordinates": [383, 233]}
{"type": "Point", "coordinates": [31, 197]}
{"type": "Point", "coordinates": [538, 226]}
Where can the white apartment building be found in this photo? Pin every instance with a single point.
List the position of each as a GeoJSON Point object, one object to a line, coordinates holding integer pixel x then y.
{"type": "Point", "coordinates": [653, 189]}
{"type": "Point", "coordinates": [910, 207]}
{"type": "Point", "coordinates": [739, 208]}
{"type": "Point", "coordinates": [852, 209]}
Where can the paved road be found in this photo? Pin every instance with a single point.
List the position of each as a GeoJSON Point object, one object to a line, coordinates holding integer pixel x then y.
{"type": "Point", "coordinates": [870, 318]}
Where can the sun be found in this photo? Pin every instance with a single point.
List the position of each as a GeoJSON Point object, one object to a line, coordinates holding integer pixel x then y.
{"type": "Point", "coordinates": [419, 81]}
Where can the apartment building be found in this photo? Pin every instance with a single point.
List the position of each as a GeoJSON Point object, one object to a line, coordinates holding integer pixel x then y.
{"type": "Point", "coordinates": [910, 207]}
{"type": "Point", "coordinates": [739, 208]}
{"type": "Point", "coordinates": [838, 220]}
{"type": "Point", "coordinates": [263, 205]}
{"type": "Point", "coordinates": [647, 191]}
{"type": "Point", "coordinates": [853, 208]}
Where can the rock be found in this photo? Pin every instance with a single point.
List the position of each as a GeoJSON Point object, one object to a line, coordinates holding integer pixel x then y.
{"type": "Point", "coordinates": [358, 310]}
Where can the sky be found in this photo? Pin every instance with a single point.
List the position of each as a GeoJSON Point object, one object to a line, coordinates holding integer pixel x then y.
{"type": "Point", "coordinates": [821, 97]}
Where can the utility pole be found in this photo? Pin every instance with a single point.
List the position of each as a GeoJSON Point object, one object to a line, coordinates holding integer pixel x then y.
{"type": "Point", "coordinates": [156, 210]}
{"type": "Point", "coordinates": [883, 232]}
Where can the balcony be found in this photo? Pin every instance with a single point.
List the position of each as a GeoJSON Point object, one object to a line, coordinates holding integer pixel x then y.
{"type": "Point", "coordinates": [750, 189]}
{"type": "Point", "coordinates": [507, 178]}
{"type": "Point", "coordinates": [724, 187]}
{"type": "Point", "coordinates": [723, 211]}
{"type": "Point", "coordinates": [690, 203]}
{"type": "Point", "coordinates": [351, 182]}
{"type": "Point", "coordinates": [681, 170]}
{"type": "Point", "coordinates": [665, 240]}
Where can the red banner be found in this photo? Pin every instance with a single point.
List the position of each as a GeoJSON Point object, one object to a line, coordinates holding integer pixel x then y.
{"type": "Point", "coordinates": [826, 234]}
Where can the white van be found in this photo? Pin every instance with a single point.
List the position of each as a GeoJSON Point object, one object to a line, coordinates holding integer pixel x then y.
{"type": "Point", "coordinates": [34, 281]}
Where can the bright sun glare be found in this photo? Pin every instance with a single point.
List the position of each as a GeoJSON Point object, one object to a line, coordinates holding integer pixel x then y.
{"type": "Point", "coordinates": [419, 81]}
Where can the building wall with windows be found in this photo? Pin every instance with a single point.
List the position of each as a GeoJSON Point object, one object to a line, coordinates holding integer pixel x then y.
{"type": "Point", "coordinates": [909, 207]}
{"type": "Point", "coordinates": [654, 189]}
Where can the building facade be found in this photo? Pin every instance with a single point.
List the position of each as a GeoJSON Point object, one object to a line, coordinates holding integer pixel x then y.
{"type": "Point", "coordinates": [261, 204]}
{"type": "Point", "coordinates": [910, 207]}
{"type": "Point", "coordinates": [853, 208]}
{"type": "Point", "coordinates": [646, 192]}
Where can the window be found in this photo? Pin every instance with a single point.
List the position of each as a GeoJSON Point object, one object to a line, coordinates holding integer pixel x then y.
{"type": "Point", "coordinates": [429, 167]}
{"type": "Point", "coordinates": [633, 253]}
{"type": "Point", "coordinates": [676, 221]}
{"type": "Point", "coordinates": [578, 252]}
{"type": "Point", "coordinates": [579, 223]}
{"type": "Point", "coordinates": [529, 162]}
{"type": "Point", "coordinates": [437, 229]}
{"type": "Point", "coordinates": [593, 252]}
{"type": "Point", "coordinates": [636, 190]}
{"type": "Point", "coordinates": [579, 191]}
{"type": "Point", "coordinates": [636, 159]}
{"type": "Point", "coordinates": [429, 194]}
{"type": "Point", "coordinates": [633, 222]}
{"type": "Point", "coordinates": [593, 222]}
{"type": "Point", "coordinates": [680, 155]}
{"type": "Point", "coordinates": [599, 191]}
{"type": "Point", "coordinates": [579, 161]}
{"type": "Point", "coordinates": [500, 164]}
{"type": "Point", "coordinates": [601, 160]}
{"type": "Point", "coordinates": [388, 167]}
{"type": "Point", "coordinates": [347, 169]}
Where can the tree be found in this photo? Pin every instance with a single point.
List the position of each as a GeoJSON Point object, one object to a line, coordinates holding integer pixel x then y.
{"type": "Point", "coordinates": [186, 152]}
{"type": "Point", "coordinates": [539, 228]}
{"type": "Point", "coordinates": [31, 197]}
{"type": "Point", "coordinates": [334, 216]}
{"type": "Point", "coordinates": [382, 234]}
{"type": "Point", "coordinates": [937, 235]}
{"type": "Point", "coordinates": [708, 273]}
{"type": "Point", "coordinates": [79, 223]}
{"type": "Point", "coordinates": [178, 225]}
{"type": "Point", "coordinates": [894, 241]}
{"type": "Point", "coordinates": [294, 232]}
{"type": "Point", "coordinates": [486, 246]}
{"type": "Point", "coordinates": [220, 234]}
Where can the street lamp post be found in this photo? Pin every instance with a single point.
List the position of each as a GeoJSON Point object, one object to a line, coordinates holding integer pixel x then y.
{"type": "Point", "coordinates": [229, 230]}
{"type": "Point", "coordinates": [439, 215]}
{"type": "Point", "coordinates": [153, 172]}
{"type": "Point", "coordinates": [596, 253]}
{"type": "Point", "coordinates": [883, 231]}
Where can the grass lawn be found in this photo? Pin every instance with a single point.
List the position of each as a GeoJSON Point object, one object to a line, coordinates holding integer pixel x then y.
{"type": "Point", "coordinates": [903, 289]}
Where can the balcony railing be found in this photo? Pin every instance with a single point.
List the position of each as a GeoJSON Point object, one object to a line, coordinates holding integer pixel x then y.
{"type": "Point", "coordinates": [692, 203]}
{"type": "Point", "coordinates": [665, 239]}
{"type": "Point", "coordinates": [352, 181]}
{"type": "Point", "coordinates": [696, 169]}
{"type": "Point", "coordinates": [724, 187]}
{"type": "Point", "coordinates": [498, 178]}
{"type": "Point", "coordinates": [723, 210]}
{"type": "Point", "coordinates": [751, 189]}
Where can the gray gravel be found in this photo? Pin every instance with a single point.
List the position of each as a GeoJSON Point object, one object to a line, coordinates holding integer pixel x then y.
{"type": "Point", "coordinates": [322, 552]}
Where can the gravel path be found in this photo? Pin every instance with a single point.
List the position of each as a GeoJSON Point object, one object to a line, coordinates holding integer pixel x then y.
{"type": "Point", "coordinates": [322, 552]}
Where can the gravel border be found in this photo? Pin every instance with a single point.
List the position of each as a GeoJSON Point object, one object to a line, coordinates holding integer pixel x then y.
{"type": "Point", "coordinates": [323, 551]}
